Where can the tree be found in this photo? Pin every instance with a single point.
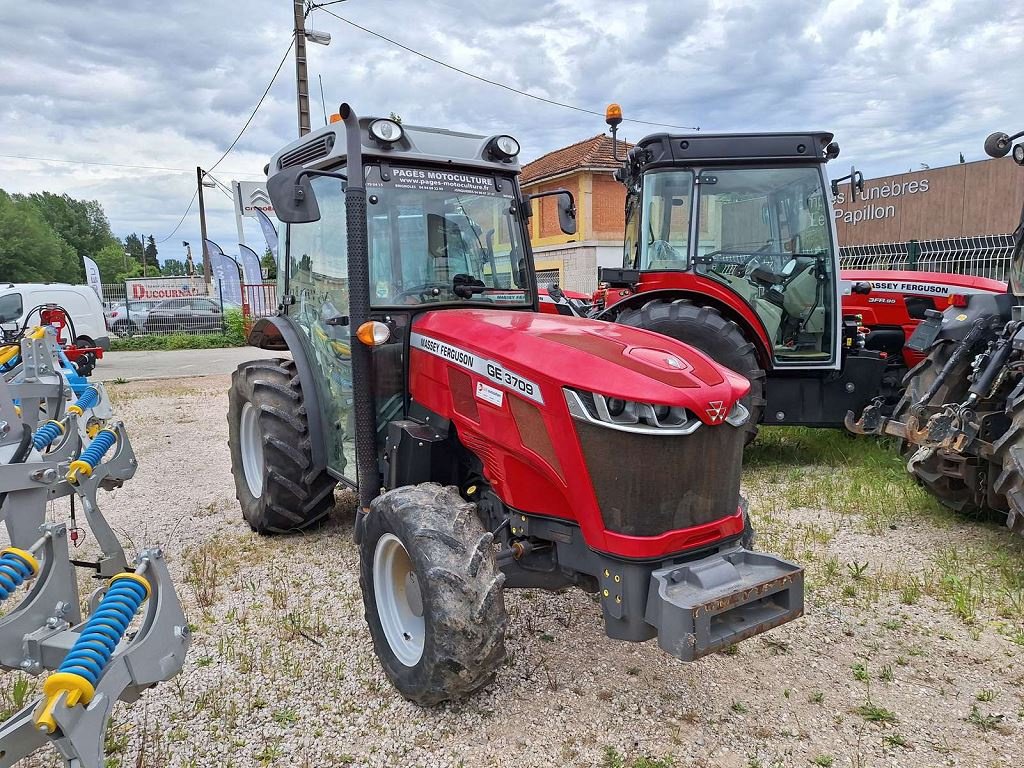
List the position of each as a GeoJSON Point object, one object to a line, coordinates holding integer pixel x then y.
{"type": "Point", "coordinates": [269, 265]}
{"type": "Point", "coordinates": [82, 224]}
{"type": "Point", "coordinates": [30, 251]}
{"type": "Point", "coordinates": [112, 262]}
{"type": "Point", "coordinates": [150, 254]}
{"type": "Point", "coordinates": [133, 244]}
{"type": "Point", "coordinates": [173, 268]}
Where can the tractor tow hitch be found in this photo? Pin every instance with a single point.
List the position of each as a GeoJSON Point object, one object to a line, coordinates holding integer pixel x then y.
{"type": "Point", "coordinates": [707, 605]}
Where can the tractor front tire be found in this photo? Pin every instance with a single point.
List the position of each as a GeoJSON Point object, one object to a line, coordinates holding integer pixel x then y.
{"type": "Point", "coordinates": [949, 491]}
{"type": "Point", "coordinates": [271, 452]}
{"type": "Point", "coordinates": [432, 593]}
{"type": "Point", "coordinates": [708, 331]}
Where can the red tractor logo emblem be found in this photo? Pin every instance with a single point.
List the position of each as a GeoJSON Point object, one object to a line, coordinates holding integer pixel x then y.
{"type": "Point", "coordinates": [715, 410]}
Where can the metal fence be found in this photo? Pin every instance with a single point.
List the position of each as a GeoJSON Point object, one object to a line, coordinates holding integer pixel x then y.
{"type": "Point", "coordinates": [199, 310]}
{"type": "Point", "coordinates": [985, 256]}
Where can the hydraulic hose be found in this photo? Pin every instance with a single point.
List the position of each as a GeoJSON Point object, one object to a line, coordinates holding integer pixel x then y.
{"type": "Point", "coordinates": [20, 454]}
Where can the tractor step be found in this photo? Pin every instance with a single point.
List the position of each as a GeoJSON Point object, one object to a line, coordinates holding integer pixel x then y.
{"type": "Point", "coordinates": [707, 605]}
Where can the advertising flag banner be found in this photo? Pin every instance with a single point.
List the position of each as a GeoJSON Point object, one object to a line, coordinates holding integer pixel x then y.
{"type": "Point", "coordinates": [269, 231]}
{"type": "Point", "coordinates": [225, 274]}
{"type": "Point", "coordinates": [251, 272]}
{"type": "Point", "coordinates": [92, 276]}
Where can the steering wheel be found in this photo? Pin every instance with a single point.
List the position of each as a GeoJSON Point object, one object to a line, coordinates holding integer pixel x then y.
{"type": "Point", "coordinates": [662, 250]}
{"type": "Point", "coordinates": [419, 291]}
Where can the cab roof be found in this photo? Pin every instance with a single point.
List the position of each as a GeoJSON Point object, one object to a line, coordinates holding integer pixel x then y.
{"type": "Point", "coordinates": [664, 149]}
{"type": "Point", "coordinates": [326, 147]}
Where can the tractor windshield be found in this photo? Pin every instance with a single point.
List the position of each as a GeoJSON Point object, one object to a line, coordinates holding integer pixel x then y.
{"type": "Point", "coordinates": [444, 236]}
{"type": "Point", "coordinates": [763, 232]}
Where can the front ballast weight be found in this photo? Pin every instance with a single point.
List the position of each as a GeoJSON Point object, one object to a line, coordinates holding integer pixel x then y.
{"type": "Point", "coordinates": [135, 633]}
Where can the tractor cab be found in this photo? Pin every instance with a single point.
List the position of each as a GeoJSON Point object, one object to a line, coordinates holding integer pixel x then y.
{"type": "Point", "coordinates": [730, 246]}
{"type": "Point", "coordinates": [750, 215]}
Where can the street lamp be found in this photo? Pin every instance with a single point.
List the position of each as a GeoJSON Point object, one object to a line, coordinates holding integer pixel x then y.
{"type": "Point", "coordinates": [301, 74]}
{"type": "Point", "coordinates": [320, 38]}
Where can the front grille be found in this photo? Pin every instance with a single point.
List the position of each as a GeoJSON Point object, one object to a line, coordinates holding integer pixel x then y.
{"type": "Point", "coordinates": [649, 484]}
{"type": "Point", "coordinates": [308, 152]}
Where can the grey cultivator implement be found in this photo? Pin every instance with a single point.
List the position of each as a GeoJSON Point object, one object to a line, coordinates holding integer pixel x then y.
{"type": "Point", "coordinates": [54, 444]}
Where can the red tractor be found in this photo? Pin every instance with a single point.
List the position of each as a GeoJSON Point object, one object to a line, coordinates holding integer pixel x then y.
{"type": "Point", "coordinates": [492, 446]}
{"type": "Point", "coordinates": [730, 247]}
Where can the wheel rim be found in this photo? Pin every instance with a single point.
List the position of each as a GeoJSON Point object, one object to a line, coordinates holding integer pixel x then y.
{"type": "Point", "coordinates": [250, 441]}
{"type": "Point", "coordinates": [399, 601]}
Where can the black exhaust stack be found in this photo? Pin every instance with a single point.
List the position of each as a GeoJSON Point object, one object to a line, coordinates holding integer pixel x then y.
{"type": "Point", "coordinates": [367, 473]}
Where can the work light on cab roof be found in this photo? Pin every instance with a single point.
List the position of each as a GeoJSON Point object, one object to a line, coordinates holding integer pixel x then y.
{"type": "Point", "coordinates": [503, 148]}
{"type": "Point", "coordinates": [385, 131]}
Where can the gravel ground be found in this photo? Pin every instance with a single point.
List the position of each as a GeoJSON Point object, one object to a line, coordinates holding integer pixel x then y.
{"type": "Point", "coordinates": [282, 673]}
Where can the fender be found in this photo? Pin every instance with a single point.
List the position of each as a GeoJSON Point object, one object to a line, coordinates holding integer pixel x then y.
{"type": "Point", "coordinates": [711, 294]}
{"type": "Point", "coordinates": [280, 334]}
{"type": "Point", "coordinates": [956, 322]}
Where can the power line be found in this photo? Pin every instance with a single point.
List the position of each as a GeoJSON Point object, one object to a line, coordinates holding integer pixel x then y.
{"type": "Point", "coordinates": [116, 165]}
{"type": "Point", "coordinates": [178, 225]}
{"type": "Point", "coordinates": [494, 82]}
{"type": "Point", "coordinates": [232, 145]}
{"type": "Point", "coordinates": [258, 104]}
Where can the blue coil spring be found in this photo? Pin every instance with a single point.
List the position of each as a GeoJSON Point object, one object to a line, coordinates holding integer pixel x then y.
{"type": "Point", "coordinates": [13, 572]}
{"type": "Point", "coordinates": [100, 444]}
{"type": "Point", "coordinates": [103, 631]}
{"type": "Point", "coordinates": [46, 434]}
{"type": "Point", "coordinates": [88, 398]}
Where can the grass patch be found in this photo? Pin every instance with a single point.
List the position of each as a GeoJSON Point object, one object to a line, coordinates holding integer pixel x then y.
{"type": "Point", "coordinates": [613, 759]}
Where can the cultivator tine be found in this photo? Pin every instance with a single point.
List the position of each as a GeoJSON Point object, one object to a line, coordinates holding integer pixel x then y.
{"type": "Point", "coordinates": [74, 451]}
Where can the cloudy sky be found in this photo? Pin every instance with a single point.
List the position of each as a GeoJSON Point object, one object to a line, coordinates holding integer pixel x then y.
{"type": "Point", "coordinates": [169, 85]}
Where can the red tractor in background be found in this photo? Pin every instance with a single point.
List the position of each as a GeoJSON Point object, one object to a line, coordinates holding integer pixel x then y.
{"type": "Point", "coordinates": [730, 246]}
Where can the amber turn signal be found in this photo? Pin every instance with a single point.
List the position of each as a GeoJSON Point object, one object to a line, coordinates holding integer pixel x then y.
{"type": "Point", "coordinates": [373, 333]}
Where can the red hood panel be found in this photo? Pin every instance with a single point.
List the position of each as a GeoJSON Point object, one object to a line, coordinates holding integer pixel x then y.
{"type": "Point", "coordinates": [607, 358]}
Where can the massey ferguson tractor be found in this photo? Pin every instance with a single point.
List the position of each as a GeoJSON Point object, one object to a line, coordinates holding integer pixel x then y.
{"type": "Point", "coordinates": [962, 415]}
{"type": "Point", "coordinates": [730, 247]}
{"type": "Point", "coordinates": [492, 445]}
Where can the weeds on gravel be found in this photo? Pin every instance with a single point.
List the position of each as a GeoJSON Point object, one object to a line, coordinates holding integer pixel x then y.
{"type": "Point", "coordinates": [894, 740]}
{"type": "Point", "coordinates": [825, 761]}
{"type": "Point", "coordinates": [613, 759]}
{"type": "Point", "coordinates": [14, 696]}
{"type": "Point", "coordinates": [984, 722]}
{"type": "Point", "coordinates": [876, 714]}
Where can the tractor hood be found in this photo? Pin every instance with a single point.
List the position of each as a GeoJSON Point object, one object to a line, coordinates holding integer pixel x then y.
{"type": "Point", "coordinates": [535, 355]}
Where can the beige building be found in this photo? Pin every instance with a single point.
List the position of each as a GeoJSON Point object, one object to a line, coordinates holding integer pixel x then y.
{"type": "Point", "coordinates": [586, 169]}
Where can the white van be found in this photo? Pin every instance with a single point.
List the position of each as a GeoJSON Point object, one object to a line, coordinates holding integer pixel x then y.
{"type": "Point", "coordinates": [81, 302]}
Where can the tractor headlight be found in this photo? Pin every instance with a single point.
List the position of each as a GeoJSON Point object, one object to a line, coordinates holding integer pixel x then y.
{"type": "Point", "coordinates": [385, 131]}
{"type": "Point", "coordinates": [503, 148]}
{"type": "Point", "coordinates": [630, 416]}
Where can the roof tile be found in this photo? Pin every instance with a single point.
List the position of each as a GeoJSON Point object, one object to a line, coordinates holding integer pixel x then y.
{"type": "Point", "coordinates": [595, 152]}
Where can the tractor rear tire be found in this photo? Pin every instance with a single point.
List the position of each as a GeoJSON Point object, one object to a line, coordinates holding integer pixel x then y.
{"type": "Point", "coordinates": [949, 491]}
{"type": "Point", "coordinates": [708, 331]}
{"type": "Point", "coordinates": [432, 593]}
{"type": "Point", "coordinates": [1009, 449]}
{"type": "Point", "coordinates": [271, 452]}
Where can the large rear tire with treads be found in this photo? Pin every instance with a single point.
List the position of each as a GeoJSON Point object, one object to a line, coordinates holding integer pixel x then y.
{"type": "Point", "coordinates": [276, 483]}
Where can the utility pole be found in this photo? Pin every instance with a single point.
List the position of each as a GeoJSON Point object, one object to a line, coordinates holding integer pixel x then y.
{"type": "Point", "coordinates": [301, 75]}
{"type": "Point", "coordinates": [207, 269]}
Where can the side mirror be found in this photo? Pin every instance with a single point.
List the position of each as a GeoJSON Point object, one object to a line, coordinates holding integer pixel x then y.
{"type": "Point", "coordinates": [566, 208]}
{"type": "Point", "coordinates": [567, 213]}
{"type": "Point", "coordinates": [997, 144]}
{"type": "Point", "coordinates": [291, 193]}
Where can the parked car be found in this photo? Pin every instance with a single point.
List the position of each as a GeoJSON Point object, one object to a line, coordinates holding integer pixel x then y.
{"type": "Point", "coordinates": [129, 319]}
{"type": "Point", "coordinates": [195, 314]}
{"type": "Point", "coordinates": [20, 300]}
